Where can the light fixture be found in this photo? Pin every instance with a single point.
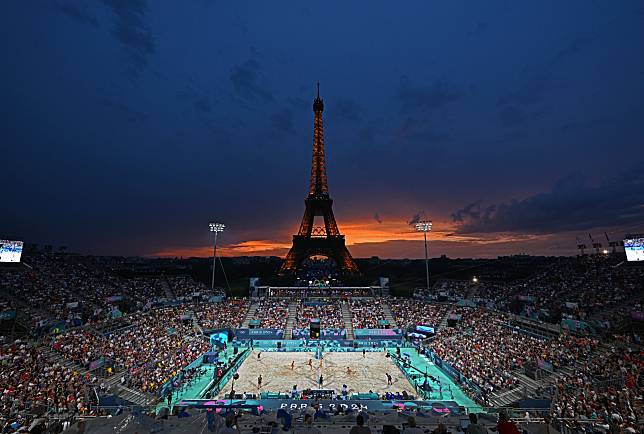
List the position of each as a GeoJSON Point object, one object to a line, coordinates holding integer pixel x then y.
{"type": "Point", "coordinates": [216, 228]}
{"type": "Point", "coordinates": [425, 226]}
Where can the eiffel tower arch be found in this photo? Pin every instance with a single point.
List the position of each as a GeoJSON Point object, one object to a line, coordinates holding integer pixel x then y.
{"type": "Point", "coordinates": [325, 240]}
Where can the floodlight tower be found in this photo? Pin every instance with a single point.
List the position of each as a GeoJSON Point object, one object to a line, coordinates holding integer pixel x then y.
{"type": "Point", "coordinates": [424, 227]}
{"type": "Point", "coordinates": [216, 228]}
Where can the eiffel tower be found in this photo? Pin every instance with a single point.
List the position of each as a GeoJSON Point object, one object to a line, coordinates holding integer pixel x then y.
{"type": "Point", "coordinates": [318, 240]}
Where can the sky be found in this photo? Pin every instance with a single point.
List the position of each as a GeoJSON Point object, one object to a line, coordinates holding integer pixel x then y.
{"type": "Point", "coordinates": [127, 125]}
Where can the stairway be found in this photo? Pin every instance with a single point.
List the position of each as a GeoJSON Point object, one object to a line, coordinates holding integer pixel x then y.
{"type": "Point", "coordinates": [169, 294]}
{"type": "Point", "coordinates": [134, 396]}
{"type": "Point", "coordinates": [54, 356]}
{"type": "Point", "coordinates": [249, 316]}
{"type": "Point", "coordinates": [389, 316]}
{"type": "Point", "coordinates": [348, 320]}
{"type": "Point", "coordinates": [528, 386]}
{"type": "Point", "coordinates": [443, 322]}
{"type": "Point", "coordinates": [196, 327]}
{"type": "Point", "coordinates": [292, 316]}
{"type": "Point", "coordinates": [114, 382]}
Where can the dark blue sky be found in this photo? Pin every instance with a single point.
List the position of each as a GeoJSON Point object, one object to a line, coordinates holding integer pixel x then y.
{"type": "Point", "coordinates": [127, 125]}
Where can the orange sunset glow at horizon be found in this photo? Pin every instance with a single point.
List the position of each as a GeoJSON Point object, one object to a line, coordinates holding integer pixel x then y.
{"type": "Point", "coordinates": [357, 233]}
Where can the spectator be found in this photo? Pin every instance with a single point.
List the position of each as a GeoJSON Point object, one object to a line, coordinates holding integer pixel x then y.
{"type": "Point", "coordinates": [411, 427]}
{"type": "Point", "coordinates": [359, 427]}
{"type": "Point", "coordinates": [308, 427]}
{"type": "Point", "coordinates": [505, 425]}
{"type": "Point", "coordinates": [474, 427]}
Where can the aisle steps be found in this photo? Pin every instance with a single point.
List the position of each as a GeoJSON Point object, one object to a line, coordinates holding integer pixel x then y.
{"type": "Point", "coordinates": [292, 315]}
{"type": "Point", "coordinates": [348, 320]}
{"type": "Point", "coordinates": [389, 316]}
{"type": "Point", "coordinates": [443, 322]}
{"type": "Point", "coordinates": [249, 315]}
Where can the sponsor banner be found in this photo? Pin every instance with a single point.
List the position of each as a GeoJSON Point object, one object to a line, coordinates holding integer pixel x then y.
{"type": "Point", "coordinates": [259, 334]}
{"type": "Point", "coordinates": [333, 334]}
{"type": "Point", "coordinates": [325, 334]}
{"type": "Point", "coordinates": [315, 303]}
{"type": "Point", "coordinates": [442, 408]}
{"type": "Point", "coordinates": [378, 333]}
{"type": "Point", "coordinates": [7, 314]}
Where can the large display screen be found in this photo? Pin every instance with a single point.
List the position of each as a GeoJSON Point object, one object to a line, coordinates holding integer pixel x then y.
{"type": "Point", "coordinates": [10, 251]}
{"type": "Point", "coordinates": [634, 248]}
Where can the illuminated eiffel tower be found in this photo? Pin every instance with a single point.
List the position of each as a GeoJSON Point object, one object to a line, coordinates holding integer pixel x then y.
{"type": "Point", "coordinates": [318, 240]}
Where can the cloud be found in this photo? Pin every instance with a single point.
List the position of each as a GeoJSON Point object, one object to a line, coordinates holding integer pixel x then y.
{"type": "Point", "coordinates": [202, 105]}
{"type": "Point", "coordinates": [377, 218]}
{"type": "Point", "coordinates": [347, 109]}
{"type": "Point", "coordinates": [299, 103]}
{"type": "Point", "coordinates": [124, 110]}
{"type": "Point", "coordinates": [282, 121]}
{"type": "Point", "coordinates": [511, 116]}
{"type": "Point", "coordinates": [131, 30]}
{"type": "Point", "coordinates": [573, 126]}
{"type": "Point", "coordinates": [245, 82]}
{"type": "Point", "coordinates": [77, 11]}
{"type": "Point", "coordinates": [531, 92]}
{"type": "Point", "coordinates": [416, 218]}
{"type": "Point", "coordinates": [418, 130]}
{"type": "Point", "coordinates": [435, 96]}
{"type": "Point", "coordinates": [528, 94]}
{"type": "Point", "coordinates": [572, 204]}
{"type": "Point", "coordinates": [572, 48]}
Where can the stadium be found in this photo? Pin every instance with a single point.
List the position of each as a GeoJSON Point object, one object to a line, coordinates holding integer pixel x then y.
{"type": "Point", "coordinates": [85, 337]}
{"type": "Point", "coordinates": [169, 145]}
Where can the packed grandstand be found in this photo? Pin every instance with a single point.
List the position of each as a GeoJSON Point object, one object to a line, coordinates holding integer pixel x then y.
{"type": "Point", "coordinates": [81, 340]}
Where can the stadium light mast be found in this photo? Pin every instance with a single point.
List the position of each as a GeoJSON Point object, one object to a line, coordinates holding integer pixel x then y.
{"type": "Point", "coordinates": [216, 228]}
{"type": "Point", "coordinates": [424, 227]}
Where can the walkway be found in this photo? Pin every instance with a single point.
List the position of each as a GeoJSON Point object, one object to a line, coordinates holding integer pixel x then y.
{"type": "Point", "coordinates": [195, 388]}
{"type": "Point", "coordinates": [348, 319]}
{"type": "Point", "coordinates": [249, 315]}
{"type": "Point", "coordinates": [386, 310]}
{"type": "Point", "coordinates": [292, 315]}
{"type": "Point", "coordinates": [451, 391]}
